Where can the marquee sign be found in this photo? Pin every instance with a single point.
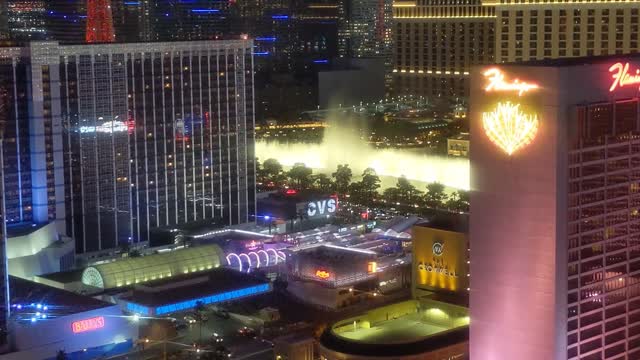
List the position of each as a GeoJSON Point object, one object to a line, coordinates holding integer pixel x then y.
{"type": "Point", "coordinates": [497, 82]}
{"type": "Point", "coordinates": [437, 268]}
{"type": "Point", "coordinates": [509, 127]}
{"type": "Point", "coordinates": [622, 77]}
{"type": "Point", "coordinates": [87, 325]}
{"type": "Point", "coordinates": [437, 248]}
{"type": "Point", "coordinates": [108, 127]}
{"type": "Point", "coordinates": [322, 274]}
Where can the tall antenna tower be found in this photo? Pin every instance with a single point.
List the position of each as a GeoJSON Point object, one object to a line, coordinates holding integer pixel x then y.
{"type": "Point", "coordinates": [99, 22]}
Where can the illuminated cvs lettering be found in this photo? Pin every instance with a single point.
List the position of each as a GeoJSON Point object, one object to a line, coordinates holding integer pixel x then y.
{"type": "Point", "coordinates": [621, 76]}
{"type": "Point", "coordinates": [88, 325]}
{"type": "Point", "coordinates": [321, 207]}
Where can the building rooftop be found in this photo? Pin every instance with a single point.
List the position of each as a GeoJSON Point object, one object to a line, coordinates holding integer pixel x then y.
{"type": "Point", "coordinates": [401, 329]}
{"type": "Point", "coordinates": [588, 60]}
{"type": "Point", "coordinates": [60, 302]}
{"type": "Point", "coordinates": [448, 222]}
{"type": "Point", "coordinates": [133, 270]}
{"type": "Point", "coordinates": [461, 136]}
{"type": "Point", "coordinates": [15, 230]}
{"type": "Point", "coordinates": [175, 290]}
{"type": "Point", "coordinates": [331, 254]}
{"type": "Point", "coordinates": [64, 277]}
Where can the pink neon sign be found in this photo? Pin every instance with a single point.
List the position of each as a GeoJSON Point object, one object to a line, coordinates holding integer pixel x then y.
{"type": "Point", "coordinates": [88, 325]}
{"type": "Point", "coordinates": [621, 76]}
{"type": "Point", "coordinates": [497, 82]}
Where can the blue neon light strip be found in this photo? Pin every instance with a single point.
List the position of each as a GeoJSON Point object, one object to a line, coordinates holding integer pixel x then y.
{"type": "Point", "coordinates": [320, 61]}
{"type": "Point", "coordinates": [133, 3]}
{"type": "Point", "coordinates": [226, 296]}
{"type": "Point", "coordinates": [205, 11]}
{"type": "Point", "coordinates": [137, 309]}
{"type": "Point", "coordinates": [266, 39]}
{"type": "Point", "coordinates": [280, 17]}
{"type": "Point", "coordinates": [263, 53]}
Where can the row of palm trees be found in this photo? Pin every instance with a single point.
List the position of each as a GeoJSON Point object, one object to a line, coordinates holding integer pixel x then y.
{"type": "Point", "coordinates": [365, 190]}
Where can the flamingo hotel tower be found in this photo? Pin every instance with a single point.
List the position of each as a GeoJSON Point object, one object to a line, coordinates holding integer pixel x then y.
{"type": "Point", "coordinates": [555, 200]}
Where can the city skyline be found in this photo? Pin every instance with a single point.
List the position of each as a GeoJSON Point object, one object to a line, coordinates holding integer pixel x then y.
{"type": "Point", "coordinates": [319, 180]}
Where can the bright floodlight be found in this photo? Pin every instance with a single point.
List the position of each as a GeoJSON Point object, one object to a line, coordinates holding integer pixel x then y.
{"type": "Point", "coordinates": [136, 317]}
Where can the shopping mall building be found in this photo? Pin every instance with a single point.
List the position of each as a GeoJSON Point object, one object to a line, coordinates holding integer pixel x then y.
{"type": "Point", "coordinates": [555, 220]}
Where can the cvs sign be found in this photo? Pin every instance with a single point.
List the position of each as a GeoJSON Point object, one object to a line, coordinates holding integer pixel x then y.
{"type": "Point", "coordinates": [321, 207]}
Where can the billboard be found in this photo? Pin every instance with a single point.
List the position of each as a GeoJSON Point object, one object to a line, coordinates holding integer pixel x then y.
{"type": "Point", "coordinates": [439, 260]}
{"type": "Point", "coordinates": [318, 208]}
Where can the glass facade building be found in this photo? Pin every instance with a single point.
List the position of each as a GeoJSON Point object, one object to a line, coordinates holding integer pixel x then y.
{"type": "Point", "coordinates": [142, 135]}
{"type": "Point", "coordinates": [26, 19]}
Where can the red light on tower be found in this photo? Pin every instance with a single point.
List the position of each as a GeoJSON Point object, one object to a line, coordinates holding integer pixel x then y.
{"type": "Point", "coordinates": [99, 22]}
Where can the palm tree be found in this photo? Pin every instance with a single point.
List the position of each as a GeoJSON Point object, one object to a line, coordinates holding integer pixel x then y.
{"type": "Point", "coordinates": [342, 178]}
{"type": "Point", "coordinates": [323, 183]}
{"type": "Point", "coordinates": [435, 197]}
{"type": "Point", "coordinates": [200, 309]}
{"type": "Point", "coordinates": [61, 355]}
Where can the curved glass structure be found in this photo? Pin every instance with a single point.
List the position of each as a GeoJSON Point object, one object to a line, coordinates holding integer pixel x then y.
{"type": "Point", "coordinates": [158, 266]}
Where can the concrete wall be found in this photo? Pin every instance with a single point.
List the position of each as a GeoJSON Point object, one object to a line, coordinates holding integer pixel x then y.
{"type": "Point", "coordinates": [42, 339]}
{"type": "Point", "coordinates": [453, 352]}
{"type": "Point", "coordinates": [45, 261]}
{"type": "Point", "coordinates": [31, 243]}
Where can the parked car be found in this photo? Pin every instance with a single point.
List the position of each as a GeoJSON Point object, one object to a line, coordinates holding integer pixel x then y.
{"type": "Point", "coordinates": [248, 332]}
{"type": "Point", "coordinates": [190, 319]}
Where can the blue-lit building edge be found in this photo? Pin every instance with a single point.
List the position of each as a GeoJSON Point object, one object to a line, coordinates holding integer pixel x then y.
{"type": "Point", "coordinates": [191, 304]}
{"type": "Point", "coordinates": [99, 352]}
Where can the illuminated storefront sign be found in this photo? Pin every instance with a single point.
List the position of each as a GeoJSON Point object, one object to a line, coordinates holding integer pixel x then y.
{"type": "Point", "coordinates": [437, 248]}
{"type": "Point", "coordinates": [322, 274]}
{"type": "Point", "coordinates": [621, 76]}
{"type": "Point", "coordinates": [321, 207]}
{"type": "Point", "coordinates": [439, 260]}
{"type": "Point", "coordinates": [497, 82]}
{"type": "Point", "coordinates": [106, 127]}
{"type": "Point", "coordinates": [372, 267]}
{"type": "Point", "coordinates": [88, 325]}
{"type": "Point", "coordinates": [437, 268]}
{"type": "Point", "coordinates": [510, 128]}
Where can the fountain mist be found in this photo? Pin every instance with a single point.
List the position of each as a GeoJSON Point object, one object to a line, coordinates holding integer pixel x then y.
{"type": "Point", "coordinates": [342, 145]}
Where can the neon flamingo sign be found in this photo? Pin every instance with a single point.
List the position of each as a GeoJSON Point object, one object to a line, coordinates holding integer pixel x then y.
{"type": "Point", "coordinates": [497, 82]}
{"type": "Point", "coordinates": [621, 76]}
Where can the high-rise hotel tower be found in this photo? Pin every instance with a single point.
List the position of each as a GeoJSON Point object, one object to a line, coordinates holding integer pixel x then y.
{"type": "Point", "coordinates": [555, 210]}
{"type": "Point", "coordinates": [436, 42]}
{"type": "Point", "coordinates": [129, 137]}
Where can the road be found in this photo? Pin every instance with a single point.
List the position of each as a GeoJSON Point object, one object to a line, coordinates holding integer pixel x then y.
{"type": "Point", "coordinates": [182, 346]}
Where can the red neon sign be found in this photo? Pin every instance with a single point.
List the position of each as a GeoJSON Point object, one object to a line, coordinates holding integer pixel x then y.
{"type": "Point", "coordinates": [621, 76]}
{"type": "Point", "coordinates": [322, 274]}
{"type": "Point", "coordinates": [88, 325]}
{"type": "Point", "coordinates": [498, 83]}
